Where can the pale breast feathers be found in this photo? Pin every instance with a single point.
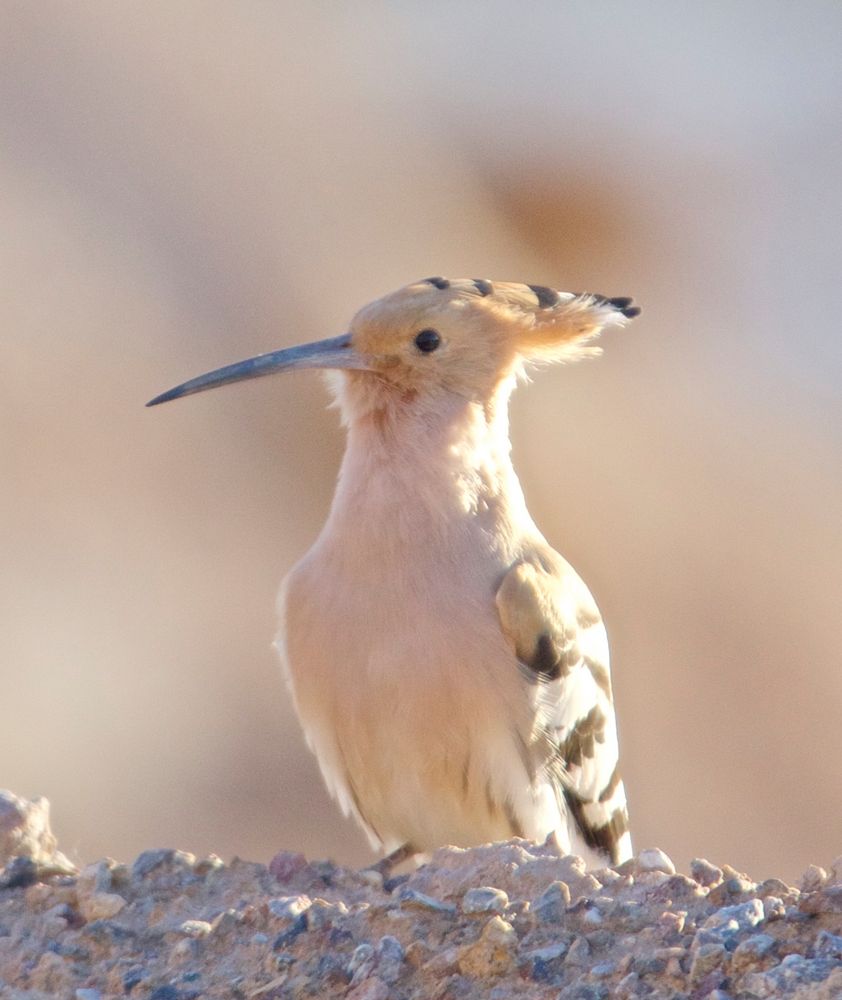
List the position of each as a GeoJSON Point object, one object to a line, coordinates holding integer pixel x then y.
{"type": "Point", "coordinates": [556, 631]}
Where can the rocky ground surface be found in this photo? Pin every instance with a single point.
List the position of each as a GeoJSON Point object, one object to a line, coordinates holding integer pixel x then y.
{"type": "Point", "coordinates": [505, 920]}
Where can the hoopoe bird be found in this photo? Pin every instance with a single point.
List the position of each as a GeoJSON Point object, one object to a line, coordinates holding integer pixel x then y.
{"type": "Point", "coordinates": [449, 668]}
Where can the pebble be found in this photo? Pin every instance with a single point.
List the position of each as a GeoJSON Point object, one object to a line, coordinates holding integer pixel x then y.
{"type": "Point", "coordinates": [320, 913]}
{"type": "Point", "coordinates": [813, 878]}
{"type": "Point", "coordinates": [289, 907]}
{"type": "Point", "coordinates": [550, 953]}
{"type": "Point", "coordinates": [285, 865]}
{"type": "Point", "coordinates": [772, 887]}
{"type": "Point", "coordinates": [828, 946]}
{"type": "Point", "coordinates": [88, 994]}
{"type": "Point", "coordinates": [585, 991]}
{"type": "Point", "coordinates": [827, 901]}
{"type": "Point", "coordinates": [552, 904]}
{"type": "Point", "coordinates": [796, 976]}
{"type": "Point", "coordinates": [371, 989]}
{"type": "Point", "coordinates": [752, 951]}
{"type": "Point", "coordinates": [672, 922]}
{"type": "Point", "coordinates": [101, 906]}
{"type": "Point", "coordinates": [836, 870]}
{"type": "Point", "coordinates": [579, 953]}
{"type": "Point", "coordinates": [362, 961]}
{"type": "Point", "coordinates": [372, 877]}
{"type": "Point", "coordinates": [493, 954]}
{"type": "Point", "coordinates": [210, 863]}
{"type": "Point", "coordinates": [19, 873]}
{"type": "Point", "coordinates": [443, 963]}
{"type": "Point", "coordinates": [226, 921]}
{"type": "Point", "coordinates": [653, 859]}
{"type": "Point", "coordinates": [390, 959]}
{"type": "Point", "coordinates": [652, 879]}
{"type": "Point", "coordinates": [149, 861]}
{"type": "Point", "coordinates": [195, 928]}
{"type": "Point", "coordinates": [546, 965]}
{"type": "Point", "coordinates": [165, 992]}
{"type": "Point", "coordinates": [182, 950]}
{"type": "Point", "coordinates": [409, 897]}
{"type": "Point", "coordinates": [740, 917]}
{"type": "Point", "coordinates": [649, 965]}
{"type": "Point", "coordinates": [94, 878]}
{"type": "Point", "coordinates": [704, 872]}
{"type": "Point", "coordinates": [55, 925]}
{"type": "Point", "coordinates": [739, 886]}
{"type": "Point", "coordinates": [485, 899]}
{"type": "Point", "coordinates": [607, 876]}
{"type": "Point", "coordinates": [707, 958]}
{"type": "Point", "coordinates": [133, 978]}
{"type": "Point", "coordinates": [628, 987]}
{"type": "Point", "coordinates": [773, 908]}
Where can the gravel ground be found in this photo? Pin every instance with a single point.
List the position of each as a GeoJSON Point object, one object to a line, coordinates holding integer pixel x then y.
{"type": "Point", "coordinates": [505, 920]}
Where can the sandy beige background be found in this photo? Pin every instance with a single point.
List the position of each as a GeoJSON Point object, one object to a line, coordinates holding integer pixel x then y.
{"type": "Point", "coordinates": [186, 184]}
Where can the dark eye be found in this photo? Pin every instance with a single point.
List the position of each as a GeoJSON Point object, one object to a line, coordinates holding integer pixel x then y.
{"type": "Point", "coordinates": [427, 340]}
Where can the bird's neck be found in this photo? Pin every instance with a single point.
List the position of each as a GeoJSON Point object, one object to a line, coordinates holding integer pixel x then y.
{"type": "Point", "coordinates": [438, 464]}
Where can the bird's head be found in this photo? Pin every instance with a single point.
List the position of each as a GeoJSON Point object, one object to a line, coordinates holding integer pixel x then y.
{"type": "Point", "coordinates": [459, 336]}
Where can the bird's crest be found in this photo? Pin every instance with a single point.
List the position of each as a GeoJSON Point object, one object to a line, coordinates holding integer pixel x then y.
{"type": "Point", "coordinates": [545, 324]}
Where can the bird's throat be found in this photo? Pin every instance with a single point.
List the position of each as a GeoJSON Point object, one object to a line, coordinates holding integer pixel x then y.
{"type": "Point", "coordinates": [436, 465]}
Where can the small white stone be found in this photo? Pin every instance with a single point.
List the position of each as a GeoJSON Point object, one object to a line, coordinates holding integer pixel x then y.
{"type": "Point", "coordinates": [549, 953]}
{"type": "Point", "coordinates": [742, 916]}
{"type": "Point", "coordinates": [289, 907]}
{"type": "Point", "coordinates": [653, 859]}
{"type": "Point", "coordinates": [320, 913]}
{"type": "Point", "coordinates": [485, 899]}
{"type": "Point", "coordinates": [195, 928]}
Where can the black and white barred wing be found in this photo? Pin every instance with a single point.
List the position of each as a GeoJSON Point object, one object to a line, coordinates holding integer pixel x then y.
{"type": "Point", "coordinates": [556, 630]}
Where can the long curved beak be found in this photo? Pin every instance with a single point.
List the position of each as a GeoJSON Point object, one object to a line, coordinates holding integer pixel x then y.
{"type": "Point", "coordinates": [336, 352]}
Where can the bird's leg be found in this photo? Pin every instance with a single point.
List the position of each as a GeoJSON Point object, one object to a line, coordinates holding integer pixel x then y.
{"type": "Point", "coordinates": [385, 866]}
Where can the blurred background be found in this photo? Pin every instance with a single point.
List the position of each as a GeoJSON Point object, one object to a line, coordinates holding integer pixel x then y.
{"type": "Point", "coordinates": [184, 185]}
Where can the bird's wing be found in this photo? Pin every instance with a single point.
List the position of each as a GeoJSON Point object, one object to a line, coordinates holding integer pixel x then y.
{"type": "Point", "coordinates": [555, 628]}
